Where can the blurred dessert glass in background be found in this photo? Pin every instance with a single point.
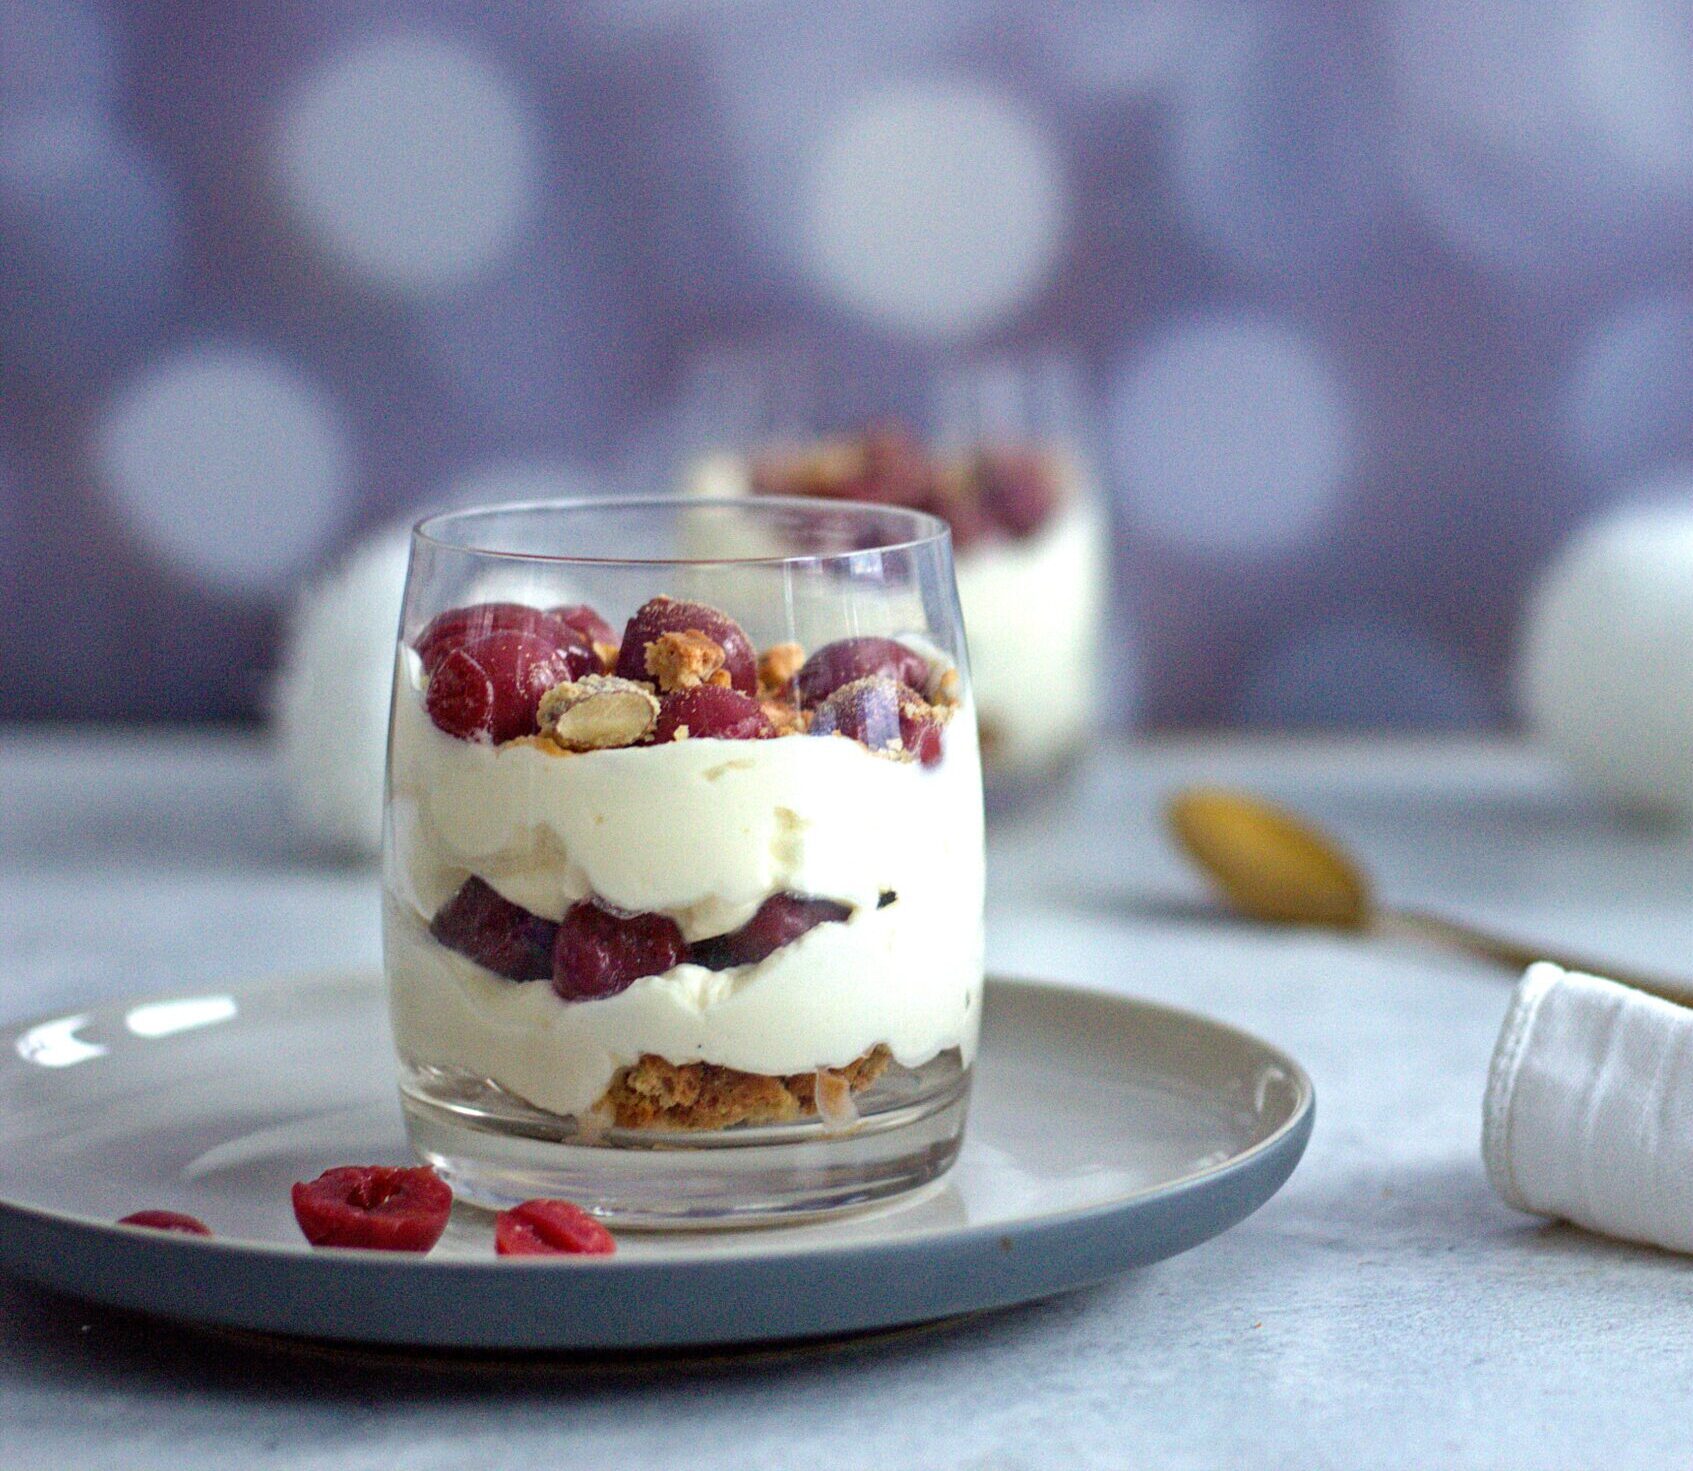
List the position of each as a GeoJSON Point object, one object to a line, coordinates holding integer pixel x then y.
{"type": "Point", "coordinates": [1000, 451]}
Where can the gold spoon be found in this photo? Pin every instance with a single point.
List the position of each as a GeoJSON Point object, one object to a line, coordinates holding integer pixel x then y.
{"type": "Point", "coordinates": [1271, 865]}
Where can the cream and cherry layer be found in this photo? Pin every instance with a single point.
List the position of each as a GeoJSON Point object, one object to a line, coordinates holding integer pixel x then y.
{"type": "Point", "coordinates": [686, 852]}
{"type": "Point", "coordinates": [1031, 553]}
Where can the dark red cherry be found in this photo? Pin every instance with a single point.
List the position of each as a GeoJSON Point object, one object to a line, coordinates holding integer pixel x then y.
{"type": "Point", "coordinates": [781, 919]}
{"type": "Point", "coordinates": [459, 626]}
{"type": "Point", "coordinates": [585, 621]}
{"type": "Point", "coordinates": [867, 711]}
{"type": "Point", "coordinates": [491, 688]}
{"type": "Point", "coordinates": [1017, 489]}
{"type": "Point", "coordinates": [668, 615]}
{"type": "Point", "coordinates": [709, 712]}
{"type": "Point", "coordinates": [376, 1206]}
{"type": "Point", "coordinates": [848, 659]}
{"type": "Point", "coordinates": [600, 952]}
{"type": "Point", "coordinates": [503, 937]}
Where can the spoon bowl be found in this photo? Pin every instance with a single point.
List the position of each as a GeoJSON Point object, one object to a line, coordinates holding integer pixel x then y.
{"type": "Point", "coordinates": [1269, 864]}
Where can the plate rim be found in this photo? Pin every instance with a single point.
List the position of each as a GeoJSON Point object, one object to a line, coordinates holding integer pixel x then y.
{"type": "Point", "coordinates": [972, 1267]}
{"type": "Point", "coordinates": [1045, 1220]}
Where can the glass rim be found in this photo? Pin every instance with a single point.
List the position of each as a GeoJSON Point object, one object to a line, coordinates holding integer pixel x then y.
{"type": "Point", "coordinates": [927, 529]}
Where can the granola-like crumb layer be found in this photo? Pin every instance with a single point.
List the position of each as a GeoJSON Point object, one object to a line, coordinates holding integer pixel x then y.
{"type": "Point", "coordinates": [655, 1094]}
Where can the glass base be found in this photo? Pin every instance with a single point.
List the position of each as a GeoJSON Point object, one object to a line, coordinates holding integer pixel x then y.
{"type": "Point", "coordinates": [495, 1150]}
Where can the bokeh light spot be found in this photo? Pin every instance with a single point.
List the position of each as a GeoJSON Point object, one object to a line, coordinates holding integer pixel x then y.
{"type": "Point", "coordinates": [933, 208]}
{"type": "Point", "coordinates": [413, 160]}
{"type": "Point", "coordinates": [229, 464]}
{"type": "Point", "coordinates": [1229, 435]}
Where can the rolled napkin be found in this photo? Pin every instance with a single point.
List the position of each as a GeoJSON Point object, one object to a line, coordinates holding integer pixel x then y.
{"type": "Point", "coordinates": [1589, 1108]}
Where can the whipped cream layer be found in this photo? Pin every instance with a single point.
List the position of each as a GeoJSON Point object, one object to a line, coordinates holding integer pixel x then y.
{"type": "Point", "coordinates": [1032, 611]}
{"type": "Point", "coordinates": [704, 831]}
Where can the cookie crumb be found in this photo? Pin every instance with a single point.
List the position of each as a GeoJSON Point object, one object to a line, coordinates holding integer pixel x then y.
{"type": "Point", "coordinates": [656, 1094]}
{"type": "Point", "coordinates": [685, 660]}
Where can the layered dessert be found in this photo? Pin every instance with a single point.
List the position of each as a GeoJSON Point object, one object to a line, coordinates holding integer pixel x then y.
{"type": "Point", "coordinates": [1030, 551]}
{"type": "Point", "coordinates": [666, 881]}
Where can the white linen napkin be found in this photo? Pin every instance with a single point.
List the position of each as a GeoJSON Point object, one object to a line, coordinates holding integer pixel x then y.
{"type": "Point", "coordinates": [1589, 1108]}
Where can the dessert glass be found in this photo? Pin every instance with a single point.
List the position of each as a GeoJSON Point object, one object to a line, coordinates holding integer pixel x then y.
{"type": "Point", "coordinates": [999, 448]}
{"type": "Point", "coordinates": [683, 855]}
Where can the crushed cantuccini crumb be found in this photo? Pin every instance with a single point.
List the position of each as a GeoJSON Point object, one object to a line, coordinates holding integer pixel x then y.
{"type": "Point", "coordinates": [685, 660]}
{"type": "Point", "coordinates": [656, 1094]}
{"type": "Point", "coordinates": [786, 718]}
{"type": "Point", "coordinates": [543, 743]}
{"type": "Point", "coordinates": [777, 665]}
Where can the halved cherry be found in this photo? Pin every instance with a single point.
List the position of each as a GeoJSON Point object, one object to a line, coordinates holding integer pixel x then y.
{"type": "Point", "coordinates": [848, 659]}
{"type": "Point", "coordinates": [600, 952]}
{"type": "Point", "coordinates": [585, 621]}
{"type": "Point", "coordinates": [708, 712]}
{"type": "Point", "coordinates": [490, 689]}
{"type": "Point", "coordinates": [379, 1207]}
{"type": "Point", "coordinates": [780, 920]}
{"type": "Point", "coordinates": [506, 938]}
{"type": "Point", "coordinates": [550, 1228]}
{"type": "Point", "coordinates": [168, 1221]}
{"type": "Point", "coordinates": [460, 626]}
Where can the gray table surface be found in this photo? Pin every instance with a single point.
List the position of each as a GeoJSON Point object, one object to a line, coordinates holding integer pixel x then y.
{"type": "Point", "coordinates": [1385, 1309]}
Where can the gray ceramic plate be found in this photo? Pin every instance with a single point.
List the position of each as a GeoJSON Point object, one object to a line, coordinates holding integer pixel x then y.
{"type": "Point", "coordinates": [1105, 1133]}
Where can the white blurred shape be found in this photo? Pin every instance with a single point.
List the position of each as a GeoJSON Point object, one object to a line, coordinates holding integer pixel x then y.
{"type": "Point", "coordinates": [229, 463]}
{"type": "Point", "coordinates": [1280, 144]}
{"type": "Point", "coordinates": [188, 1014]}
{"type": "Point", "coordinates": [412, 158]}
{"type": "Point", "coordinates": [1545, 136]}
{"type": "Point", "coordinates": [329, 701]}
{"type": "Point", "coordinates": [1229, 435]}
{"type": "Point", "coordinates": [55, 1044]}
{"type": "Point", "coordinates": [1633, 66]}
{"type": "Point", "coordinates": [1605, 666]}
{"type": "Point", "coordinates": [1364, 673]}
{"type": "Point", "coordinates": [55, 53]}
{"type": "Point", "coordinates": [936, 208]}
{"type": "Point", "coordinates": [90, 237]}
{"type": "Point", "coordinates": [1628, 403]}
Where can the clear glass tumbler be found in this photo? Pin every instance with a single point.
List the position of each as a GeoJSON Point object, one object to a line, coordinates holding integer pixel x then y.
{"type": "Point", "coordinates": [683, 883]}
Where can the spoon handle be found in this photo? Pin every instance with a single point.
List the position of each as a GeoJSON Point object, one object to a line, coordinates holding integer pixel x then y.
{"type": "Point", "coordinates": [1517, 956]}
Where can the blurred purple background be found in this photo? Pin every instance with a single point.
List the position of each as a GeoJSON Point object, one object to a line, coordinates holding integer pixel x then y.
{"type": "Point", "coordinates": [1375, 303]}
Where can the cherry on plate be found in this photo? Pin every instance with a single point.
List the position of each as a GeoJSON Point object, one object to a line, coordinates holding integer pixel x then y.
{"type": "Point", "coordinates": [599, 952]}
{"type": "Point", "coordinates": [849, 659]}
{"type": "Point", "coordinates": [550, 1228]}
{"type": "Point", "coordinates": [481, 923]}
{"type": "Point", "coordinates": [168, 1221]}
{"type": "Point", "coordinates": [377, 1207]}
{"type": "Point", "coordinates": [669, 615]}
{"type": "Point", "coordinates": [709, 712]}
{"type": "Point", "coordinates": [491, 688]}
